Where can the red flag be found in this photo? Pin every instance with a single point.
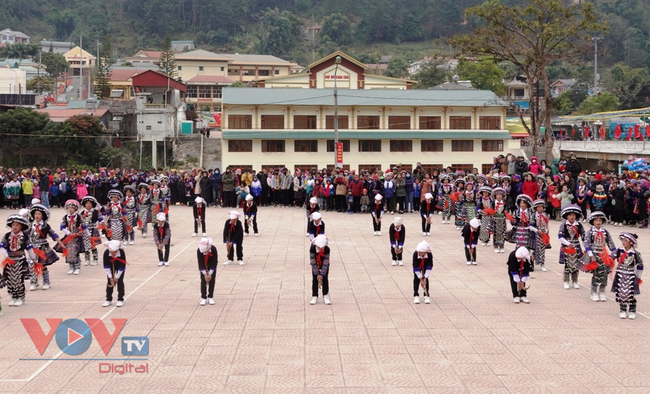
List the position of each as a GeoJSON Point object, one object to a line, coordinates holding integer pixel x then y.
{"type": "Point", "coordinates": [647, 131]}
{"type": "Point", "coordinates": [586, 132]}
{"type": "Point", "coordinates": [617, 132]}
{"type": "Point", "coordinates": [602, 132]}
{"type": "Point", "coordinates": [629, 134]}
{"type": "Point", "coordinates": [573, 133]}
{"type": "Point", "coordinates": [637, 134]}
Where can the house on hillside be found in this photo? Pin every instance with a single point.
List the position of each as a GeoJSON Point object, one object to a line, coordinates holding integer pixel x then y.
{"type": "Point", "coordinates": [561, 85]}
{"type": "Point", "coordinates": [183, 46]}
{"type": "Point", "coordinates": [10, 37]}
{"type": "Point", "coordinates": [60, 47]}
{"type": "Point", "coordinates": [144, 57]}
{"type": "Point", "coordinates": [79, 59]}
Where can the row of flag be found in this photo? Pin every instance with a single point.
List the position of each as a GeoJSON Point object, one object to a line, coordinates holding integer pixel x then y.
{"type": "Point", "coordinates": [632, 132]}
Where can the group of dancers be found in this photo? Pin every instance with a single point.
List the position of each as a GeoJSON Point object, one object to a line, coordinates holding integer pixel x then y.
{"type": "Point", "coordinates": [480, 216]}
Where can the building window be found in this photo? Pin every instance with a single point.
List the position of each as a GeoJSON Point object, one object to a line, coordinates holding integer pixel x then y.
{"type": "Point", "coordinates": [304, 122]}
{"type": "Point", "coordinates": [401, 146]}
{"type": "Point", "coordinates": [492, 145]}
{"type": "Point", "coordinates": [148, 128]}
{"type": "Point", "coordinates": [240, 122]}
{"type": "Point", "coordinates": [463, 167]}
{"type": "Point", "coordinates": [431, 146]}
{"type": "Point", "coordinates": [460, 122]}
{"type": "Point", "coordinates": [200, 68]}
{"type": "Point", "coordinates": [369, 145]}
{"type": "Point", "coordinates": [306, 167]}
{"type": "Point", "coordinates": [403, 167]}
{"type": "Point", "coordinates": [430, 123]}
{"type": "Point", "coordinates": [462, 146]}
{"type": "Point", "coordinates": [430, 168]}
{"type": "Point", "coordinates": [370, 167]}
{"type": "Point", "coordinates": [263, 73]}
{"type": "Point", "coordinates": [240, 145]}
{"type": "Point", "coordinates": [216, 91]}
{"type": "Point", "coordinates": [191, 91]}
{"type": "Point", "coordinates": [486, 168]}
{"type": "Point", "coordinates": [272, 122]}
{"type": "Point", "coordinates": [343, 122]}
{"type": "Point", "coordinates": [368, 122]}
{"type": "Point", "coordinates": [221, 68]}
{"type": "Point", "coordinates": [489, 122]}
{"type": "Point", "coordinates": [305, 146]}
{"type": "Point", "coordinates": [205, 92]}
{"type": "Point", "coordinates": [399, 122]}
{"type": "Point", "coordinates": [273, 146]}
{"type": "Point", "coordinates": [180, 68]}
{"type": "Point", "coordinates": [277, 72]}
{"type": "Point", "coordinates": [346, 145]}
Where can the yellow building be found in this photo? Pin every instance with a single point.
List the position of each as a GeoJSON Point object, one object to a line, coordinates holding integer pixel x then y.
{"type": "Point", "coordinates": [248, 68]}
{"type": "Point", "coordinates": [79, 59]}
{"type": "Point", "coordinates": [200, 62]}
{"type": "Point", "coordinates": [378, 128]}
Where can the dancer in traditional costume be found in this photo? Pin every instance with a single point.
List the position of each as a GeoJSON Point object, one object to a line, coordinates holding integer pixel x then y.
{"type": "Point", "coordinates": [498, 225]}
{"type": "Point", "coordinates": [597, 240]}
{"type": "Point", "coordinates": [316, 226]}
{"type": "Point", "coordinates": [15, 268]}
{"type": "Point", "coordinates": [484, 207]}
{"type": "Point", "coordinates": [162, 237]}
{"type": "Point", "coordinates": [523, 225]}
{"type": "Point", "coordinates": [233, 237]}
{"type": "Point", "coordinates": [115, 224]}
{"type": "Point", "coordinates": [45, 256]}
{"type": "Point", "coordinates": [144, 203]}
{"type": "Point", "coordinates": [206, 255]}
{"type": "Point", "coordinates": [397, 236]}
{"type": "Point", "coordinates": [157, 198]}
{"type": "Point", "coordinates": [310, 209]}
{"type": "Point", "coordinates": [92, 219]}
{"type": "Point", "coordinates": [570, 234]}
{"type": "Point", "coordinates": [445, 203]}
{"type": "Point", "coordinates": [469, 202]}
{"type": "Point", "coordinates": [470, 234]}
{"type": "Point", "coordinates": [377, 211]}
{"type": "Point", "coordinates": [250, 215]}
{"type": "Point", "coordinates": [114, 266]}
{"type": "Point", "coordinates": [627, 277]}
{"type": "Point", "coordinates": [518, 273]}
{"type": "Point", "coordinates": [459, 204]}
{"type": "Point", "coordinates": [422, 266]}
{"type": "Point", "coordinates": [130, 206]}
{"type": "Point", "coordinates": [426, 213]}
{"type": "Point", "coordinates": [319, 260]}
{"type": "Point", "coordinates": [198, 210]}
{"type": "Point", "coordinates": [73, 227]}
{"type": "Point", "coordinates": [540, 221]}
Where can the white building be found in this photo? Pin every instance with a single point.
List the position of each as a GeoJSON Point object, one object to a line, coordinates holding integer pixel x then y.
{"type": "Point", "coordinates": [12, 80]}
{"type": "Point", "coordinates": [10, 37]}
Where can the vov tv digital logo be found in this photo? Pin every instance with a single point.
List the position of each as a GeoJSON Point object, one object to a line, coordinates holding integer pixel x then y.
{"type": "Point", "coordinates": [74, 336]}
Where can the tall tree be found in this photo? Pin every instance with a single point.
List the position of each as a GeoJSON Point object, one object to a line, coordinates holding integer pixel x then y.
{"type": "Point", "coordinates": [338, 28]}
{"type": "Point", "coordinates": [167, 59]}
{"type": "Point", "coordinates": [279, 32]}
{"type": "Point", "coordinates": [484, 74]}
{"type": "Point", "coordinates": [532, 36]}
{"type": "Point", "coordinates": [19, 124]}
{"type": "Point", "coordinates": [54, 63]}
{"type": "Point", "coordinates": [432, 73]}
{"type": "Point", "coordinates": [103, 71]}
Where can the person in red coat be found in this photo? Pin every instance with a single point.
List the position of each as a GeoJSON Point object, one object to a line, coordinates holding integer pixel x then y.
{"type": "Point", "coordinates": [529, 187]}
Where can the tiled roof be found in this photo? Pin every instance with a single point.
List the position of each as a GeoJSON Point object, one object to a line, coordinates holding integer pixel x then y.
{"type": "Point", "coordinates": [61, 115]}
{"type": "Point", "coordinates": [210, 79]}
{"type": "Point", "coordinates": [200, 54]}
{"type": "Point", "coordinates": [122, 75]}
{"type": "Point", "coordinates": [255, 59]}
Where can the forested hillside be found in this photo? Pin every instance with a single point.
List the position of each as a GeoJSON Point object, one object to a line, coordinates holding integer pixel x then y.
{"type": "Point", "coordinates": [281, 27]}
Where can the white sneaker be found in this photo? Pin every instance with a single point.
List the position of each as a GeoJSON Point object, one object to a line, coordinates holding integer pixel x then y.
{"type": "Point", "coordinates": [473, 262]}
{"type": "Point", "coordinates": [144, 235]}
{"type": "Point", "coordinates": [378, 232]}
{"type": "Point", "coordinates": [76, 272]}
{"type": "Point", "coordinates": [194, 235]}
{"type": "Point", "coordinates": [86, 263]}
{"type": "Point", "coordinates": [428, 233]}
{"type": "Point", "coordinates": [400, 262]}
{"type": "Point", "coordinates": [314, 301]}
{"type": "Point", "coordinates": [594, 297]}
{"type": "Point", "coordinates": [203, 301]}
{"type": "Point", "coordinates": [576, 285]}
{"type": "Point", "coordinates": [416, 300]}
{"type": "Point", "coordinates": [392, 212]}
{"type": "Point", "coordinates": [241, 262]}
{"type": "Point", "coordinates": [501, 250]}
{"type": "Point", "coordinates": [132, 242]}
{"type": "Point", "coordinates": [205, 234]}
{"type": "Point", "coordinates": [469, 263]}
{"type": "Point", "coordinates": [424, 233]}
{"type": "Point", "coordinates": [18, 302]}
{"type": "Point", "coordinates": [71, 271]}
{"type": "Point", "coordinates": [245, 234]}
{"type": "Point", "coordinates": [94, 262]}
{"type": "Point", "coordinates": [46, 286]}
{"type": "Point", "coordinates": [12, 302]}
{"type": "Point", "coordinates": [119, 303]}
{"type": "Point", "coordinates": [326, 299]}
{"type": "Point", "coordinates": [602, 297]}
{"type": "Point", "coordinates": [33, 287]}
{"type": "Point", "coordinates": [256, 234]}
{"type": "Point", "coordinates": [524, 300]}
{"type": "Point", "coordinates": [307, 235]}
{"type": "Point", "coordinates": [631, 316]}
{"type": "Point", "coordinates": [623, 315]}
{"type": "Point", "coordinates": [496, 250]}
{"type": "Point", "coordinates": [161, 263]}
{"type": "Point", "coordinates": [228, 262]}
{"type": "Point", "coordinates": [106, 303]}
{"type": "Point", "coordinates": [166, 263]}
{"type": "Point", "coordinates": [210, 301]}
{"type": "Point", "coordinates": [394, 262]}
{"type": "Point", "coordinates": [567, 286]}
{"type": "Point", "coordinates": [427, 300]}
{"type": "Point", "coordinates": [544, 268]}
{"type": "Point", "coordinates": [517, 300]}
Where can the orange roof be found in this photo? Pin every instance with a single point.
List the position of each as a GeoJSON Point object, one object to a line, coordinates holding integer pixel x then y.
{"type": "Point", "coordinates": [61, 115]}
{"type": "Point", "coordinates": [123, 75]}
{"type": "Point", "coordinates": [154, 54]}
{"type": "Point", "coordinates": [210, 79]}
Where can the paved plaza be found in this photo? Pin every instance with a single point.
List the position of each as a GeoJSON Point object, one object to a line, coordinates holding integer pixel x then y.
{"type": "Point", "coordinates": [262, 336]}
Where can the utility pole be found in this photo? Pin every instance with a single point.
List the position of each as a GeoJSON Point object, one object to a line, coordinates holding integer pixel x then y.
{"type": "Point", "coordinates": [336, 113]}
{"type": "Point", "coordinates": [595, 40]}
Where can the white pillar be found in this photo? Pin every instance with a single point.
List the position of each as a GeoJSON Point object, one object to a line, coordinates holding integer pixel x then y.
{"type": "Point", "coordinates": [154, 152]}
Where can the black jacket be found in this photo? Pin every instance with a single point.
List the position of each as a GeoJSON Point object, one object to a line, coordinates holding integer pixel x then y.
{"type": "Point", "coordinates": [467, 233]}
{"type": "Point", "coordinates": [397, 237]}
{"type": "Point", "coordinates": [195, 211]}
{"type": "Point", "coordinates": [211, 261]}
{"type": "Point", "coordinates": [234, 234]}
{"type": "Point", "coordinates": [250, 211]}
{"type": "Point", "coordinates": [316, 230]}
{"type": "Point", "coordinates": [521, 167]}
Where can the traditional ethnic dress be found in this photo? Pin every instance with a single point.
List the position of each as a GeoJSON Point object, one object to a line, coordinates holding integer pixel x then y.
{"type": "Point", "coordinates": [541, 223]}
{"type": "Point", "coordinates": [116, 221]}
{"type": "Point", "coordinates": [130, 205]}
{"type": "Point", "coordinates": [595, 241]}
{"type": "Point", "coordinates": [499, 224]}
{"type": "Point", "coordinates": [522, 235]}
{"type": "Point", "coordinates": [459, 208]}
{"type": "Point", "coordinates": [486, 220]}
{"type": "Point", "coordinates": [626, 279]}
{"type": "Point", "coordinates": [73, 242]}
{"type": "Point", "coordinates": [445, 203]}
{"type": "Point", "coordinates": [144, 216]}
{"type": "Point", "coordinates": [16, 267]}
{"type": "Point", "coordinates": [91, 219]}
{"type": "Point", "coordinates": [39, 233]}
{"type": "Point", "coordinates": [469, 206]}
{"type": "Point", "coordinates": [570, 234]}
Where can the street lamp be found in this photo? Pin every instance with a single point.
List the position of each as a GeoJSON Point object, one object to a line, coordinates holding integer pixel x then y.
{"type": "Point", "coordinates": [595, 40]}
{"type": "Point", "coordinates": [337, 61]}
